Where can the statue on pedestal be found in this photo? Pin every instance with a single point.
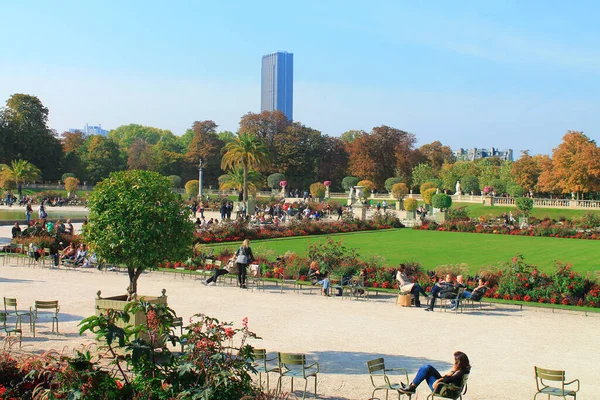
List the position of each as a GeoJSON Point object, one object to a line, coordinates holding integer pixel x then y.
{"type": "Point", "coordinates": [458, 193]}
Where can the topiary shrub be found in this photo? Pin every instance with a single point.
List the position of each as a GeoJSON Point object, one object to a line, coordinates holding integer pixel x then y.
{"type": "Point", "coordinates": [428, 195]}
{"type": "Point", "coordinates": [441, 201]}
{"type": "Point", "coordinates": [410, 204]}
{"type": "Point", "coordinates": [67, 175]}
{"type": "Point", "coordinates": [349, 182]}
{"type": "Point", "coordinates": [369, 186]}
{"type": "Point", "coordinates": [175, 181]}
{"type": "Point", "coordinates": [399, 190]}
{"type": "Point", "coordinates": [390, 182]}
{"type": "Point", "coordinates": [273, 180]}
{"type": "Point", "coordinates": [192, 187]}
{"type": "Point", "coordinates": [428, 185]}
{"type": "Point", "coordinates": [524, 204]}
{"type": "Point", "coordinates": [317, 190]}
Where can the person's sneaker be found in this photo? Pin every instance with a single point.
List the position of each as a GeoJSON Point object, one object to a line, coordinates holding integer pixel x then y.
{"type": "Point", "coordinates": [212, 284]}
{"type": "Point", "coordinates": [204, 283]}
{"type": "Point", "coordinates": [408, 389]}
{"type": "Point", "coordinates": [428, 309]}
{"type": "Point", "coordinates": [452, 308]}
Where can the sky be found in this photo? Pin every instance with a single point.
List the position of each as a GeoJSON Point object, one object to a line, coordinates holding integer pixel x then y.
{"type": "Point", "coordinates": [503, 74]}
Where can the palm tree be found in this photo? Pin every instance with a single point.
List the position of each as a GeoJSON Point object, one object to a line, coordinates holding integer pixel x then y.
{"type": "Point", "coordinates": [246, 151]}
{"type": "Point", "coordinates": [19, 172]}
{"type": "Point", "coordinates": [234, 179]}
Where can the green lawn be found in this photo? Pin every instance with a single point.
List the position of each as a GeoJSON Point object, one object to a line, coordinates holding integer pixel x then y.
{"type": "Point", "coordinates": [432, 248]}
{"type": "Point", "coordinates": [477, 210]}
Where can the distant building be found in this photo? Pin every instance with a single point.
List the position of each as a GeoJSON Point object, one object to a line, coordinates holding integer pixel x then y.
{"type": "Point", "coordinates": [91, 130]}
{"type": "Point", "coordinates": [475, 154]}
{"type": "Point", "coordinates": [277, 83]}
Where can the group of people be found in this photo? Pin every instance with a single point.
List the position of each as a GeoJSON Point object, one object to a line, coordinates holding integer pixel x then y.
{"type": "Point", "coordinates": [237, 263]}
{"type": "Point", "coordinates": [447, 287]}
{"type": "Point", "coordinates": [43, 225]}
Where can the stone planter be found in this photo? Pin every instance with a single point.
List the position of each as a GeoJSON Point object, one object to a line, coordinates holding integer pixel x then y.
{"type": "Point", "coordinates": [118, 303]}
{"type": "Point", "coordinates": [407, 214]}
{"type": "Point", "coordinates": [440, 216]}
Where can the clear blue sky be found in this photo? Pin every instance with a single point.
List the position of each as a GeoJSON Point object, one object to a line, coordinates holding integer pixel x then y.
{"type": "Point", "coordinates": [505, 73]}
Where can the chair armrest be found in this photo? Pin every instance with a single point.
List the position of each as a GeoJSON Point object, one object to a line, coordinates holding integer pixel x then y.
{"type": "Point", "coordinates": [272, 359]}
{"type": "Point", "coordinates": [573, 381]}
{"type": "Point", "coordinates": [398, 369]}
{"type": "Point", "coordinates": [57, 309]}
{"type": "Point", "coordinates": [312, 365]}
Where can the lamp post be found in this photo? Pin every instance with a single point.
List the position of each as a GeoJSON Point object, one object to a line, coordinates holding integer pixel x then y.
{"type": "Point", "coordinates": [200, 179]}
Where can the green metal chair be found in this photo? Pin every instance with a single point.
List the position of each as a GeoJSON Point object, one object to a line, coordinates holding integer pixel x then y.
{"type": "Point", "coordinates": [476, 297]}
{"type": "Point", "coordinates": [9, 330]}
{"type": "Point", "coordinates": [335, 285]}
{"type": "Point", "coordinates": [294, 366]}
{"type": "Point", "coordinates": [542, 375]}
{"type": "Point", "coordinates": [11, 308]}
{"type": "Point", "coordinates": [450, 391]}
{"type": "Point", "coordinates": [446, 297]}
{"type": "Point", "coordinates": [260, 364]}
{"type": "Point", "coordinates": [381, 380]}
{"type": "Point", "coordinates": [43, 306]}
{"type": "Point", "coordinates": [356, 287]}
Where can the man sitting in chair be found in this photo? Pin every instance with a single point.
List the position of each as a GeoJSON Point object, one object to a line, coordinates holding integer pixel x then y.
{"type": "Point", "coordinates": [441, 289]}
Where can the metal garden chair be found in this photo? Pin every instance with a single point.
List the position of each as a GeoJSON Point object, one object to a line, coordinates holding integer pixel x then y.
{"type": "Point", "coordinates": [542, 375]}
{"type": "Point", "coordinates": [295, 366]}
{"type": "Point", "coordinates": [381, 380]}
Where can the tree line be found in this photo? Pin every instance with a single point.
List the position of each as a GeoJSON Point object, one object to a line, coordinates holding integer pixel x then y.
{"type": "Point", "coordinates": [300, 155]}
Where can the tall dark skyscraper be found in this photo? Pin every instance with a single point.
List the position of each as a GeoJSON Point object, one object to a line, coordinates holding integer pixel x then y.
{"type": "Point", "coordinates": [277, 83]}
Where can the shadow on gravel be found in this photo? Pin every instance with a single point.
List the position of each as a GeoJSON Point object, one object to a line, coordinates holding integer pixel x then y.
{"type": "Point", "coordinates": [8, 280]}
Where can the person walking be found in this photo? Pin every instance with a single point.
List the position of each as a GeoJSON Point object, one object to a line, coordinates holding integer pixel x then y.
{"type": "Point", "coordinates": [244, 257]}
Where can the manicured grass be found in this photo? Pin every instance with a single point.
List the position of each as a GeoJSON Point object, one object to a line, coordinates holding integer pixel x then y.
{"type": "Point", "coordinates": [433, 248]}
{"type": "Point", "coordinates": [478, 210]}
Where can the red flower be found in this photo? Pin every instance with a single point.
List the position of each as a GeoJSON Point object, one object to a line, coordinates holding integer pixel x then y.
{"type": "Point", "coordinates": [527, 297]}
{"type": "Point", "coordinates": [119, 385]}
{"type": "Point", "coordinates": [565, 302]}
{"type": "Point", "coordinates": [229, 332]}
{"type": "Point", "coordinates": [542, 300]}
{"type": "Point", "coordinates": [507, 297]}
{"type": "Point", "coordinates": [580, 302]}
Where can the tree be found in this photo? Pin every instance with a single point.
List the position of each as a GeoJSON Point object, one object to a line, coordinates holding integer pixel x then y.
{"type": "Point", "coordinates": [234, 179]}
{"type": "Point", "coordinates": [192, 187]}
{"type": "Point", "coordinates": [205, 145]}
{"type": "Point", "coordinates": [546, 181]}
{"type": "Point", "coordinates": [140, 155]}
{"type": "Point", "coordinates": [135, 219]}
{"type": "Point", "coordinates": [526, 171]}
{"type": "Point", "coordinates": [20, 172]}
{"type": "Point", "coordinates": [428, 185]}
{"type": "Point", "coordinates": [333, 161]}
{"type": "Point", "coordinates": [576, 164]}
{"type": "Point", "coordinates": [515, 190]}
{"type": "Point", "coordinates": [437, 154]}
{"type": "Point", "coordinates": [498, 185]}
{"type": "Point", "coordinates": [273, 180]}
{"type": "Point", "coordinates": [101, 158]}
{"type": "Point", "coordinates": [378, 155]}
{"type": "Point", "coordinates": [71, 185]}
{"type": "Point", "coordinates": [349, 136]}
{"type": "Point", "coordinates": [175, 181]}
{"type": "Point", "coordinates": [267, 126]}
{"type": "Point", "coordinates": [441, 201]}
{"type": "Point", "coordinates": [298, 153]}
{"type": "Point", "coordinates": [420, 174]}
{"type": "Point", "coordinates": [349, 182]}
{"type": "Point", "coordinates": [410, 204]}
{"type": "Point", "coordinates": [369, 186]}
{"type": "Point", "coordinates": [125, 135]}
{"type": "Point", "coordinates": [317, 190]}
{"type": "Point", "coordinates": [26, 135]}
{"type": "Point", "coordinates": [246, 151]}
{"type": "Point", "coordinates": [470, 184]}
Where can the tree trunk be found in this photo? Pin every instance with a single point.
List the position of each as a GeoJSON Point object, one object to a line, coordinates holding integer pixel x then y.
{"type": "Point", "coordinates": [134, 274]}
{"type": "Point", "coordinates": [245, 184]}
{"type": "Point", "coordinates": [20, 189]}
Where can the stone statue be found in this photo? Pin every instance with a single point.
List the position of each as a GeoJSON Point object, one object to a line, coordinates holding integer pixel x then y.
{"type": "Point", "coordinates": [458, 188]}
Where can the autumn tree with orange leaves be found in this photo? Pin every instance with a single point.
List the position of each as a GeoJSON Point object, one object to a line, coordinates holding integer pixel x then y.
{"type": "Point", "coordinates": [526, 171]}
{"type": "Point", "coordinates": [576, 165]}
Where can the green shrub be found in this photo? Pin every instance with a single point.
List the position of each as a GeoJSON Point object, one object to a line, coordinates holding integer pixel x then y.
{"type": "Point", "coordinates": [441, 201]}
{"type": "Point", "coordinates": [515, 190]}
{"type": "Point", "coordinates": [524, 204]}
{"type": "Point", "coordinates": [273, 180]}
{"type": "Point", "coordinates": [390, 182]}
{"type": "Point", "coordinates": [317, 190]}
{"type": "Point", "coordinates": [428, 185]}
{"type": "Point", "coordinates": [428, 195]}
{"type": "Point", "coordinates": [410, 204]}
{"type": "Point", "coordinates": [349, 182]}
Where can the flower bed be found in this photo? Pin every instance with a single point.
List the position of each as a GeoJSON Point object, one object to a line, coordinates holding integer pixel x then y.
{"type": "Point", "coordinates": [240, 230]}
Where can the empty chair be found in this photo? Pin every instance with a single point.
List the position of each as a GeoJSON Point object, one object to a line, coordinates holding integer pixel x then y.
{"type": "Point", "coordinates": [542, 376]}
{"type": "Point", "coordinates": [381, 380]}
{"type": "Point", "coordinates": [9, 330]}
{"type": "Point", "coordinates": [261, 365]}
{"type": "Point", "coordinates": [50, 306]}
{"type": "Point", "coordinates": [294, 366]}
{"type": "Point", "coordinates": [11, 308]}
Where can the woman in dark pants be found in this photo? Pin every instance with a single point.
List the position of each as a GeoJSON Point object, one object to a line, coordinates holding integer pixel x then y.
{"type": "Point", "coordinates": [428, 373]}
{"type": "Point", "coordinates": [244, 257]}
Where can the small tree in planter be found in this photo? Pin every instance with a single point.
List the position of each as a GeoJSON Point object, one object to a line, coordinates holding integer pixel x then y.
{"type": "Point", "coordinates": [274, 180]}
{"type": "Point", "coordinates": [441, 201]}
{"type": "Point", "coordinates": [71, 185]}
{"type": "Point", "coordinates": [428, 195]}
{"type": "Point", "coordinates": [525, 205]}
{"type": "Point", "coordinates": [349, 182]}
{"type": "Point", "coordinates": [192, 187]}
{"type": "Point", "coordinates": [317, 190]}
{"type": "Point", "coordinates": [369, 187]}
{"type": "Point", "coordinates": [399, 191]}
{"type": "Point", "coordinates": [410, 204]}
{"type": "Point", "coordinates": [135, 219]}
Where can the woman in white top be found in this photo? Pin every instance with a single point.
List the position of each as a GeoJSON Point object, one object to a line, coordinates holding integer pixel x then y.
{"type": "Point", "coordinates": [407, 286]}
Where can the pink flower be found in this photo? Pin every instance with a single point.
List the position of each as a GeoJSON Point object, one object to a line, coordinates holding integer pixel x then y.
{"type": "Point", "coordinates": [245, 322]}
{"type": "Point", "coordinates": [229, 332]}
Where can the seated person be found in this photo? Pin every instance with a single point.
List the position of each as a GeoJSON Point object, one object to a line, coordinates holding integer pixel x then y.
{"type": "Point", "coordinates": [16, 230]}
{"type": "Point", "coordinates": [319, 278]}
{"type": "Point", "coordinates": [212, 281]}
{"type": "Point", "coordinates": [440, 289]}
{"type": "Point", "coordinates": [69, 230]}
{"type": "Point", "coordinates": [81, 255]}
{"type": "Point", "coordinates": [434, 378]}
{"type": "Point", "coordinates": [70, 252]}
{"type": "Point", "coordinates": [476, 293]}
{"type": "Point", "coordinates": [406, 285]}
{"type": "Point", "coordinates": [460, 283]}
